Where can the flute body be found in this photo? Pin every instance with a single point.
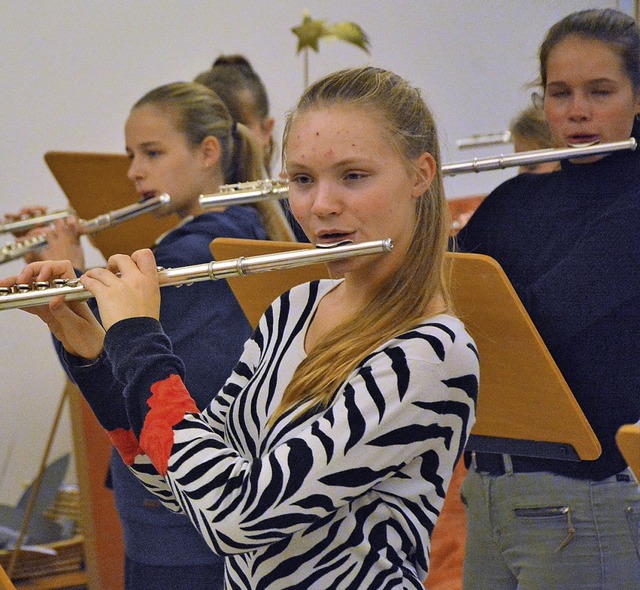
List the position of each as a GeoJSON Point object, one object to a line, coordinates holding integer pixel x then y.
{"type": "Point", "coordinates": [243, 193]}
{"type": "Point", "coordinates": [90, 226]}
{"type": "Point", "coordinates": [22, 296]}
{"type": "Point", "coordinates": [23, 225]}
{"type": "Point", "coordinates": [536, 157]}
{"type": "Point", "coordinates": [260, 190]}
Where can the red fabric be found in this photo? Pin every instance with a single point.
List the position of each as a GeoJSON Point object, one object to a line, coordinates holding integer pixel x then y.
{"type": "Point", "coordinates": [126, 444]}
{"type": "Point", "coordinates": [169, 402]}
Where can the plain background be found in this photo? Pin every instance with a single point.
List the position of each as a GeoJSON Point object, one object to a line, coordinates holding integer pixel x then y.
{"type": "Point", "coordinates": [71, 69]}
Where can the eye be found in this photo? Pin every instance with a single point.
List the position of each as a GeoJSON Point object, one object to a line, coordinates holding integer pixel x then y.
{"type": "Point", "coordinates": [153, 153]}
{"type": "Point", "coordinates": [558, 93]}
{"type": "Point", "coordinates": [300, 179]}
{"type": "Point", "coordinates": [354, 175]}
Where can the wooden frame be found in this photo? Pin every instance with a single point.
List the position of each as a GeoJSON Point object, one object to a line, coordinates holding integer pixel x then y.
{"type": "Point", "coordinates": [103, 540]}
{"type": "Point", "coordinates": [525, 406]}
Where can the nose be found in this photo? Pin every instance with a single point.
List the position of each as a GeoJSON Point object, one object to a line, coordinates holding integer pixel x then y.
{"type": "Point", "coordinates": [579, 107]}
{"type": "Point", "coordinates": [326, 200]}
{"type": "Point", "coordinates": [135, 171]}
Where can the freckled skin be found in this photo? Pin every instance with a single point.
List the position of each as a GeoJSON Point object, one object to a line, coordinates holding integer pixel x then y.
{"type": "Point", "coordinates": [345, 178]}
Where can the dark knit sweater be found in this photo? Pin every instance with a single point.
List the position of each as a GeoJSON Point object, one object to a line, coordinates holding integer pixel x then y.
{"type": "Point", "coordinates": [569, 242]}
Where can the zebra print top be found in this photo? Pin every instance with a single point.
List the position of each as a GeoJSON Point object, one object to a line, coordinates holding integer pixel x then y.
{"type": "Point", "coordinates": [344, 498]}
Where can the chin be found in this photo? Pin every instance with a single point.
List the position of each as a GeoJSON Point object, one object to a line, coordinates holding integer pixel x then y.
{"type": "Point", "coordinates": [338, 269]}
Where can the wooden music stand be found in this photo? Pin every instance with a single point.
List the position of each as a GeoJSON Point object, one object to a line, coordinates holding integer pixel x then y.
{"type": "Point", "coordinates": [97, 183]}
{"type": "Point", "coordinates": [628, 440]}
{"type": "Point", "coordinates": [103, 541]}
{"type": "Point", "coordinates": [525, 406]}
{"type": "Point", "coordinates": [5, 582]}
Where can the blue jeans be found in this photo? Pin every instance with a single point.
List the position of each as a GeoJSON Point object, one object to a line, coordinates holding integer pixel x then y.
{"type": "Point", "coordinates": [540, 531]}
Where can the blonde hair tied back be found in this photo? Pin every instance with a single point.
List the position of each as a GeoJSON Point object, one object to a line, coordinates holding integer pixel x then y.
{"type": "Point", "coordinates": [201, 113]}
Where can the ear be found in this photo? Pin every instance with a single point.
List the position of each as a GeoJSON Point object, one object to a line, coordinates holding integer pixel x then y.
{"type": "Point", "coordinates": [425, 173]}
{"type": "Point", "coordinates": [210, 151]}
{"type": "Point", "coordinates": [267, 127]}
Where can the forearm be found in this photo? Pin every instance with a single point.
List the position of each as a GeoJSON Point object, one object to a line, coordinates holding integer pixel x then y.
{"type": "Point", "coordinates": [141, 355]}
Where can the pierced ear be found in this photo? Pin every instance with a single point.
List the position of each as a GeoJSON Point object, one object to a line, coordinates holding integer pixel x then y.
{"type": "Point", "coordinates": [425, 173]}
{"type": "Point", "coordinates": [211, 151]}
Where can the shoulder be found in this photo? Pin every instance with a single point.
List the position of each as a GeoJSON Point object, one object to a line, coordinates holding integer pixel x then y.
{"type": "Point", "coordinates": [189, 243]}
{"type": "Point", "coordinates": [518, 189]}
{"type": "Point", "coordinates": [517, 200]}
{"type": "Point", "coordinates": [239, 221]}
{"type": "Point", "coordinates": [234, 222]}
{"type": "Point", "coordinates": [436, 353]}
{"type": "Point", "coordinates": [435, 340]}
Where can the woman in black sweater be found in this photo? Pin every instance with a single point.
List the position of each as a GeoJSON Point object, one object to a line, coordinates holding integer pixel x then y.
{"type": "Point", "coordinates": [570, 244]}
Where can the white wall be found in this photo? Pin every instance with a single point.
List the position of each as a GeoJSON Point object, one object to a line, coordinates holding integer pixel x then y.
{"type": "Point", "coordinates": [71, 69]}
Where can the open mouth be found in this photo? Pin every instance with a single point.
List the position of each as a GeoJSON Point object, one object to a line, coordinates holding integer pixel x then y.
{"type": "Point", "coordinates": [331, 238]}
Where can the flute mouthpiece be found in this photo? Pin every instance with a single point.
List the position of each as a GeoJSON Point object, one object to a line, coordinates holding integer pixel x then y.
{"type": "Point", "coordinates": [334, 245]}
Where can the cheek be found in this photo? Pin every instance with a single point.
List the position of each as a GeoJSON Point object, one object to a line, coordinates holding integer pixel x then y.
{"type": "Point", "coordinates": [552, 115]}
{"type": "Point", "coordinates": [297, 208]}
{"type": "Point", "coordinates": [555, 122]}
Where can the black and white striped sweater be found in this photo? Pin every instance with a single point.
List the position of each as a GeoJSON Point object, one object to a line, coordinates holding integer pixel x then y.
{"type": "Point", "coordinates": [344, 498]}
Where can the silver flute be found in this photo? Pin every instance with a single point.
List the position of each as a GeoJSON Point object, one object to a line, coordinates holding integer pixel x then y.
{"type": "Point", "coordinates": [21, 296]}
{"type": "Point", "coordinates": [243, 193]}
{"type": "Point", "coordinates": [14, 250]}
{"type": "Point", "coordinates": [26, 223]}
{"type": "Point", "coordinates": [536, 157]}
{"type": "Point", "coordinates": [271, 188]}
{"type": "Point", "coordinates": [481, 139]}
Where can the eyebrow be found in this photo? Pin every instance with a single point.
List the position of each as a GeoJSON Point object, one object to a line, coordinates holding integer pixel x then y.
{"type": "Point", "coordinates": [594, 81]}
{"type": "Point", "coordinates": [339, 163]}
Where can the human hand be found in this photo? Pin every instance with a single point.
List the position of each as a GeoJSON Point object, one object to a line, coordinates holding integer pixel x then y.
{"type": "Point", "coordinates": [72, 322]}
{"type": "Point", "coordinates": [26, 213]}
{"type": "Point", "coordinates": [63, 243]}
{"type": "Point", "coordinates": [127, 288]}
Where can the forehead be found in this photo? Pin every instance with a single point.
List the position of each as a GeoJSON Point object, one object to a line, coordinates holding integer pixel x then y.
{"type": "Point", "coordinates": [584, 57]}
{"type": "Point", "coordinates": [341, 125]}
{"type": "Point", "coordinates": [153, 117]}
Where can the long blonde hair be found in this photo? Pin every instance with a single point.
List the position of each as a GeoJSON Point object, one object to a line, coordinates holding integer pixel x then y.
{"type": "Point", "coordinates": [401, 301]}
{"type": "Point", "coordinates": [201, 113]}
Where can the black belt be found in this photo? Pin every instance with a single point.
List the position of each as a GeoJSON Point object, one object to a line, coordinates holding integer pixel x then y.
{"type": "Point", "coordinates": [494, 463]}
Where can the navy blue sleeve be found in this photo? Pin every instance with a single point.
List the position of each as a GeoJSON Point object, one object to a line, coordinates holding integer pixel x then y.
{"type": "Point", "coordinates": [100, 388]}
{"type": "Point", "coordinates": [141, 355]}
